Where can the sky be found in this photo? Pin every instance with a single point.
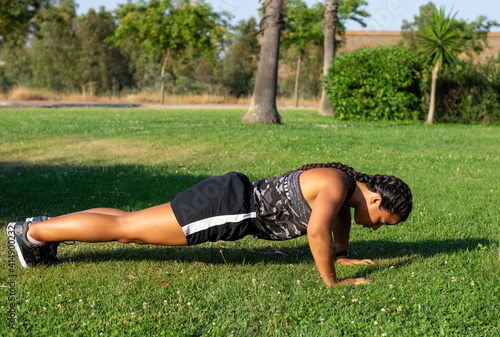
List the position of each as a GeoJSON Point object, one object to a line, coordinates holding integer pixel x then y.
{"type": "Point", "coordinates": [385, 14]}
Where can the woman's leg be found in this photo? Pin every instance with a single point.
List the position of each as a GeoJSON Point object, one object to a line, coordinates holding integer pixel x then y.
{"type": "Point", "coordinates": [155, 225]}
{"type": "Point", "coordinates": [106, 211]}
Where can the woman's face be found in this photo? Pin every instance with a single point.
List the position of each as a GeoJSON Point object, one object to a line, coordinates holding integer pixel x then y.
{"type": "Point", "coordinates": [370, 215]}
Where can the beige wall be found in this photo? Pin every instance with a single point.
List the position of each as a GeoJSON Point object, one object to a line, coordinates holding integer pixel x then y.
{"type": "Point", "coordinates": [359, 38]}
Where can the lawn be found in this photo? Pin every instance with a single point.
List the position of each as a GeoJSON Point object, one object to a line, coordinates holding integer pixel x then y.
{"type": "Point", "coordinates": [436, 274]}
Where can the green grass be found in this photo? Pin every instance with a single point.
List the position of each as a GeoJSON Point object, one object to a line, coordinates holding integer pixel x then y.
{"type": "Point", "coordinates": [436, 274]}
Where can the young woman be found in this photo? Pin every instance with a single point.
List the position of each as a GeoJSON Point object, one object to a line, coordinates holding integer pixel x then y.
{"type": "Point", "coordinates": [314, 200]}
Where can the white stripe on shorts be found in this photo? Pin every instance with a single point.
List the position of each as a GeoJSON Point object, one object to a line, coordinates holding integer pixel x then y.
{"type": "Point", "coordinates": [204, 224]}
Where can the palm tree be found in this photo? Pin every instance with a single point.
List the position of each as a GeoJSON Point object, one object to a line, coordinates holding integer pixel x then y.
{"type": "Point", "coordinates": [263, 104]}
{"type": "Point", "coordinates": [330, 22]}
{"type": "Point", "coordinates": [439, 42]}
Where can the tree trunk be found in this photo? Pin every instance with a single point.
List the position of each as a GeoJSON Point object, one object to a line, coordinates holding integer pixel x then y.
{"type": "Point", "coordinates": [299, 59]}
{"type": "Point", "coordinates": [430, 116]}
{"type": "Point", "coordinates": [330, 21]}
{"type": "Point", "coordinates": [165, 60]}
{"type": "Point", "coordinates": [262, 108]}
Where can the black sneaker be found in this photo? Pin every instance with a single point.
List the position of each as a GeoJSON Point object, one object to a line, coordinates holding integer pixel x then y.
{"type": "Point", "coordinates": [30, 254]}
{"type": "Point", "coordinates": [52, 245]}
{"type": "Point", "coordinates": [51, 258]}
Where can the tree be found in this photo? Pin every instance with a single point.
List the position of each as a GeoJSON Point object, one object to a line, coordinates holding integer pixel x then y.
{"type": "Point", "coordinates": [16, 69]}
{"type": "Point", "coordinates": [16, 19]}
{"type": "Point", "coordinates": [335, 15]}
{"type": "Point", "coordinates": [473, 33]}
{"type": "Point", "coordinates": [262, 107]}
{"type": "Point", "coordinates": [409, 29]}
{"type": "Point", "coordinates": [161, 29]}
{"type": "Point", "coordinates": [103, 68]}
{"type": "Point", "coordinates": [54, 55]}
{"type": "Point", "coordinates": [303, 33]}
{"type": "Point", "coordinates": [301, 29]}
{"type": "Point", "coordinates": [241, 58]}
{"type": "Point", "coordinates": [330, 22]}
{"type": "Point", "coordinates": [440, 42]}
{"type": "Point", "coordinates": [440, 38]}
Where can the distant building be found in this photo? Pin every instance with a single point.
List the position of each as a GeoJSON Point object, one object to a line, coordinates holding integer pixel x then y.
{"type": "Point", "coordinates": [361, 38]}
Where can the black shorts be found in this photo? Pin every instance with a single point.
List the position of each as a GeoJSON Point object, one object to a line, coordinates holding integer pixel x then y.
{"type": "Point", "coordinates": [217, 208]}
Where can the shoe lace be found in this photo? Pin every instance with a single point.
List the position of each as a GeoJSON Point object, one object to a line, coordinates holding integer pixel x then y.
{"type": "Point", "coordinates": [48, 254]}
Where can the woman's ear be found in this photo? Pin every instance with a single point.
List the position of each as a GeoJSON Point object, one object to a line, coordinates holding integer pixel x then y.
{"type": "Point", "coordinates": [375, 199]}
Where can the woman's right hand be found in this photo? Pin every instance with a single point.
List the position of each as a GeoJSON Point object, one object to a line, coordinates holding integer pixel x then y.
{"type": "Point", "coordinates": [353, 281]}
{"type": "Point", "coordinates": [345, 261]}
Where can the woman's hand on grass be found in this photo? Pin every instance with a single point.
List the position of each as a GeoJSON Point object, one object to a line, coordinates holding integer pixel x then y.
{"type": "Point", "coordinates": [353, 281]}
{"type": "Point", "coordinates": [351, 262]}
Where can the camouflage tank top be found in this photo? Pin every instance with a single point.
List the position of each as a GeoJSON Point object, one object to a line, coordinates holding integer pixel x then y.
{"type": "Point", "coordinates": [282, 211]}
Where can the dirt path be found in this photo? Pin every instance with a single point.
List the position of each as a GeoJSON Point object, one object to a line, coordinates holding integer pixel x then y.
{"type": "Point", "coordinates": [66, 104]}
{"type": "Point", "coordinates": [61, 104]}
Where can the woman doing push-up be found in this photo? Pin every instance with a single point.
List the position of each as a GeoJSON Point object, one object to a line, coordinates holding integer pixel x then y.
{"type": "Point", "coordinates": [314, 200]}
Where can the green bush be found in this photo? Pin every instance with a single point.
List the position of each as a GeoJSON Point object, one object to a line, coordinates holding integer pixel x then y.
{"type": "Point", "coordinates": [467, 93]}
{"type": "Point", "coordinates": [379, 83]}
{"type": "Point", "coordinates": [5, 82]}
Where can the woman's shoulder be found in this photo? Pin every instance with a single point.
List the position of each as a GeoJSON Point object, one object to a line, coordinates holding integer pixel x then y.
{"type": "Point", "coordinates": [325, 175]}
{"type": "Point", "coordinates": [314, 180]}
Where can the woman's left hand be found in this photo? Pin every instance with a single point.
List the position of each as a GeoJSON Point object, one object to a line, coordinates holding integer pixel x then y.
{"type": "Point", "coordinates": [351, 262]}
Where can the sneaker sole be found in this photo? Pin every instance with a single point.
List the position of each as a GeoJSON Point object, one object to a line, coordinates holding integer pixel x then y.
{"type": "Point", "coordinates": [10, 234]}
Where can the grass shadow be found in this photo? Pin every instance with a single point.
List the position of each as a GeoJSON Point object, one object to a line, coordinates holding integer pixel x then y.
{"type": "Point", "coordinates": [30, 189]}
{"type": "Point", "coordinates": [384, 249]}
{"type": "Point", "coordinates": [300, 254]}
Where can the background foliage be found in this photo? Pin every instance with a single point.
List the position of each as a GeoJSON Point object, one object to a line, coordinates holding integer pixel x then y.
{"type": "Point", "coordinates": [53, 48]}
{"type": "Point", "coordinates": [374, 84]}
{"type": "Point", "coordinates": [468, 92]}
{"type": "Point", "coordinates": [16, 19]}
{"type": "Point", "coordinates": [97, 67]}
{"type": "Point", "coordinates": [474, 33]}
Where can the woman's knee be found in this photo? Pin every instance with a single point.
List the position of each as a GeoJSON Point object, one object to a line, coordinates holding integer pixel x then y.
{"type": "Point", "coordinates": [128, 230]}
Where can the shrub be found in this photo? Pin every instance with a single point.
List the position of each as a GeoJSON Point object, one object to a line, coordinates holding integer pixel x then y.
{"type": "Point", "coordinates": [379, 83]}
{"type": "Point", "coordinates": [467, 93]}
{"type": "Point", "coordinates": [19, 93]}
{"type": "Point", "coordinates": [5, 82]}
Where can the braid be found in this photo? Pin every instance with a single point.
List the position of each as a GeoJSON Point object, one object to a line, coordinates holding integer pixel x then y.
{"type": "Point", "coordinates": [396, 195]}
{"type": "Point", "coordinates": [361, 177]}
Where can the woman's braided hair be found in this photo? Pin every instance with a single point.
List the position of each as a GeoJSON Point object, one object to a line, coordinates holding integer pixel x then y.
{"type": "Point", "coordinates": [396, 195]}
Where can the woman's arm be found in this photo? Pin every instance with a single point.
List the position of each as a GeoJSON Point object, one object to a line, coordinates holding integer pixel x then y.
{"type": "Point", "coordinates": [341, 231]}
{"type": "Point", "coordinates": [319, 230]}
